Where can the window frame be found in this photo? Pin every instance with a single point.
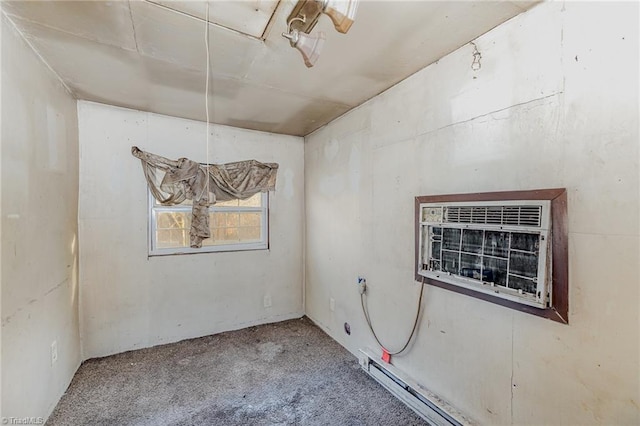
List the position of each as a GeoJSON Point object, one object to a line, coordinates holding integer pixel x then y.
{"type": "Point", "coordinates": [154, 208]}
{"type": "Point", "coordinates": [558, 308]}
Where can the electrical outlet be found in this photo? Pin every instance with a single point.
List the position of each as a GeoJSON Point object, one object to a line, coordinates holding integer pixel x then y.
{"type": "Point", "coordinates": [267, 301]}
{"type": "Point", "coordinates": [332, 304]}
{"type": "Point", "coordinates": [54, 352]}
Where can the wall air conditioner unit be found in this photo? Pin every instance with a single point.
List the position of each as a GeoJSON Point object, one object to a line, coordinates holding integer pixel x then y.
{"type": "Point", "coordinates": [426, 404]}
{"type": "Point", "coordinates": [499, 248]}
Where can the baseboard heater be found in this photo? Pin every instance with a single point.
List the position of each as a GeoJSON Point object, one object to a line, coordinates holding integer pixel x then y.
{"type": "Point", "coordinates": [426, 404]}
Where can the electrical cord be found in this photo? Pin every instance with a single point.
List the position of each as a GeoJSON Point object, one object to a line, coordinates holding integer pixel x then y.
{"type": "Point", "coordinates": [206, 92]}
{"type": "Point", "coordinates": [413, 330]}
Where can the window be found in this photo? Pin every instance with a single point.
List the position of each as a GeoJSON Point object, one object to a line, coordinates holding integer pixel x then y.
{"type": "Point", "coordinates": [235, 225]}
{"type": "Point", "coordinates": [510, 251]}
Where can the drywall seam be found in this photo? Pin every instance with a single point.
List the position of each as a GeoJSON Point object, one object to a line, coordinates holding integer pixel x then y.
{"type": "Point", "coordinates": [512, 371]}
{"type": "Point", "coordinates": [271, 22]}
{"type": "Point", "coordinates": [484, 115]}
{"type": "Point", "coordinates": [59, 30]}
{"type": "Point", "coordinates": [162, 6]}
{"type": "Point", "coordinates": [1, 211]}
{"type": "Point", "coordinates": [78, 232]}
{"type": "Point", "coordinates": [133, 27]}
{"type": "Point", "coordinates": [304, 227]}
{"type": "Point", "coordinates": [46, 64]}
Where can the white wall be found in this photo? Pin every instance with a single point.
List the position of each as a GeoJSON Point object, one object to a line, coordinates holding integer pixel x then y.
{"type": "Point", "coordinates": [130, 301]}
{"type": "Point", "coordinates": [39, 224]}
{"type": "Point", "coordinates": [555, 104]}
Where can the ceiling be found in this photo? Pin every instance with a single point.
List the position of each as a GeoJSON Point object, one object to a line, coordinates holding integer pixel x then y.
{"type": "Point", "coordinates": [151, 55]}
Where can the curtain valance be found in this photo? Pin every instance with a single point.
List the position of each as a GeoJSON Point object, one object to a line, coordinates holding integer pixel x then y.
{"type": "Point", "coordinates": [172, 182]}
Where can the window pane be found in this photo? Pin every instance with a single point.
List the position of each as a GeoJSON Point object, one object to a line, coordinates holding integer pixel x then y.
{"type": "Point", "coordinates": [472, 241]}
{"type": "Point", "coordinates": [215, 220]}
{"type": "Point", "coordinates": [526, 242]}
{"type": "Point", "coordinates": [214, 240]}
{"type": "Point", "coordinates": [223, 219]}
{"type": "Point", "coordinates": [168, 220]}
{"type": "Point", "coordinates": [496, 243]}
{"type": "Point", "coordinates": [163, 238]}
{"type": "Point", "coordinates": [180, 236]}
{"type": "Point", "coordinates": [235, 227]}
{"type": "Point", "coordinates": [209, 241]}
{"type": "Point", "coordinates": [470, 266]}
{"type": "Point", "coordinates": [527, 286]}
{"type": "Point", "coordinates": [254, 201]}
{"type": "Point", "coordinates": [524, 264]}
{"type": "Point", "coordinates": [225, 235]}
{"type": "Point", "coordinates": [450, 262]}
{"type": "Point", "coordinates": [250, 219]}
{"type": "Point", "coordinates": [451, 237]}
{"type": "Point", "coordinates": [166, 238]}
{"type": "Point", "coordinates": [494, 271]}
{"type": "Point", "coordinates": [230, 234]}
{"type": "Point", "coordinates": [228, 224]}
{"type": "Point", "coordinates": [222, 236]}
{"type": "Point", "coordinates": [248, 234]}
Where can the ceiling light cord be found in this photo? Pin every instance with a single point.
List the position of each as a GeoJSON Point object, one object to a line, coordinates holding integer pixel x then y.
{"type": "Point", "coordinates": [206, 95]}
{"type": "Point", "coordinates": [413, 330]}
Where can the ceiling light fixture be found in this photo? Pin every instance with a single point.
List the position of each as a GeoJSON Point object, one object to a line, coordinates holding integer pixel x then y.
{"type": "Point", "coordinates": [305, 16]}
{"type": "Point", "coordinates": [308, 46]}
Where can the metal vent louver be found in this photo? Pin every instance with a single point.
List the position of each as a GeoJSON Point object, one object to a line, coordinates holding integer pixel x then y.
{"type": "Point", "coordinates": [494, 215]}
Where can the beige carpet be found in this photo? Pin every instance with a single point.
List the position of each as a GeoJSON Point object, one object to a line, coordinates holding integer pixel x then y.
{"type": "Point", "coordinates": [288, 373]}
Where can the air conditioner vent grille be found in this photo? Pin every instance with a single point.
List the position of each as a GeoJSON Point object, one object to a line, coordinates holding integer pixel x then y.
{"type": "Point", "coordinates": [494, 215]}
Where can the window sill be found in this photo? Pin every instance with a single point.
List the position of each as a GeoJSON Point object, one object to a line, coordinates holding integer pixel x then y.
{"type": "Point", "coordinates": [208, 249]}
